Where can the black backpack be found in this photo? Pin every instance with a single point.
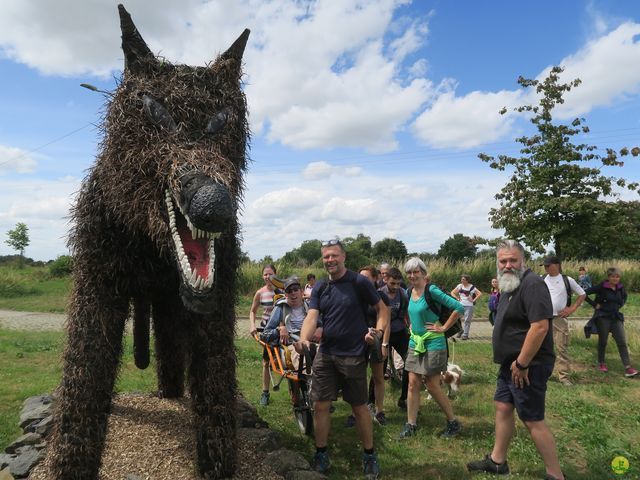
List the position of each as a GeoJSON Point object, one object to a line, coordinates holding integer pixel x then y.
{"type": "Point", "coordinates": [442, 311]}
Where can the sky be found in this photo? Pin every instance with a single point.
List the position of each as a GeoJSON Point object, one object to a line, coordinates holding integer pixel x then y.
{"type": "Point", "coordinates": [366, 116]}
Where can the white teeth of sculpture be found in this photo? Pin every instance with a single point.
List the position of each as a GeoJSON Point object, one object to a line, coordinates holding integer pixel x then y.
{"type": "Point", "coordinates": [197, 282]}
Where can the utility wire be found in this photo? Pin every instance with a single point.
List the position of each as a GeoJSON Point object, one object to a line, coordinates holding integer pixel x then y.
{"type": "Point", "coordinates": [46, 144]}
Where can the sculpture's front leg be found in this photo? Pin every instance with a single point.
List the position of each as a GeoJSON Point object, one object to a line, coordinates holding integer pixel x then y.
{"type": "Point", "coordinates": [91, 361]}
{"type": "Point", "coordinates": [213, 393]}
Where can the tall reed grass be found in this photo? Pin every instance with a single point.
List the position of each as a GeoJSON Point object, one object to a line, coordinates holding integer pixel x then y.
{"type": "Point", "coordinates": [447, 274]}
{"type": "Point", "coordinates": [13, 285]}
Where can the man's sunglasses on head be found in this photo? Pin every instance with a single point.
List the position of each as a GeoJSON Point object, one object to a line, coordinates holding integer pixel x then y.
{"type": "Point", "coordinates": [331, 243]}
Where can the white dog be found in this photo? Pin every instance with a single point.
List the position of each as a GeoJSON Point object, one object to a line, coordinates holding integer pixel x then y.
{"type": "Point", "coordinates": [451, 380]}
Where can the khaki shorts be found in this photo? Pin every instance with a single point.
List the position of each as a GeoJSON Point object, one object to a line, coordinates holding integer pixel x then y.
{"type": "Point", "coordinates": [432, 362]}
{"type": "Point", "coordinates": [332, 372]}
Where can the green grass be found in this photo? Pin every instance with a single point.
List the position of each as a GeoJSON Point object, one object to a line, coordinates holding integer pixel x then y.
{"type": "Point", "coordinates": [33, 289]}
{"type": "Point", "coordinates": [31, 365]}
{"type": "Point", "coordinates": [592, 422]}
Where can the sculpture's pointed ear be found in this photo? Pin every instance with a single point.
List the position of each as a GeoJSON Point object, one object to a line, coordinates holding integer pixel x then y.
{"type": "Point", "coordinates": [237, 49]}
{"type": "Point", "coordinates": [134, 47]}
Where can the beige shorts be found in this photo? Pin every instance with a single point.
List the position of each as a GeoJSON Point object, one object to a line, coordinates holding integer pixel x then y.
{"type": "Point", "coordinates": [432, 362]}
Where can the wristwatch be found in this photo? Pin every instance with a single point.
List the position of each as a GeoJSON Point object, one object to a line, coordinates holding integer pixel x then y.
{"type": "Point", "coordinates": [521, 367]}
{"type": "Point", "coordinates": [385, 344]}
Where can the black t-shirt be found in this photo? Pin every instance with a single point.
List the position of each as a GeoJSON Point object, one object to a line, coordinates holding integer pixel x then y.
{"type": "Point", "coordinates": [343, 304]}
{"type": "Point", "coordinates": [398, 308]}
{"type": "Point", "coordinates": [528, 303]}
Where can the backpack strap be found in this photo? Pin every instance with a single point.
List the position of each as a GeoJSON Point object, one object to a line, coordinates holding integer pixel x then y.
{"type": "Point", "coordinates": [429, 299]}
{"type": "Point", "coordinates": [404, 300]}
{"type": "Point", "coordinates": [354, 283]}
{"type": "Point", "coordinates": [567, 285]}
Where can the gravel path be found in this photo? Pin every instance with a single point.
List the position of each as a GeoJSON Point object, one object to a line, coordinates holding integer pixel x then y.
{"type": "Point", "coordinates": [480, 328]}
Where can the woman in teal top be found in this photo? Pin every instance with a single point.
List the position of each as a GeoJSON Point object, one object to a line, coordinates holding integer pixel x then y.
{"type": "Point", "coordinates": [427, 355]}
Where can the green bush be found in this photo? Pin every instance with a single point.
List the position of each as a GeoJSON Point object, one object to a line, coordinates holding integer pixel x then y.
{"type": "Point", "coordinates": [61, 266]}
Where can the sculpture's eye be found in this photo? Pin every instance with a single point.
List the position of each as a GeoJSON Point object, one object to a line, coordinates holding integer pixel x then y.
{"type": "Point", "coordinates": [157, 113]}
{"type": "Point", "coordinates": [217, 121]}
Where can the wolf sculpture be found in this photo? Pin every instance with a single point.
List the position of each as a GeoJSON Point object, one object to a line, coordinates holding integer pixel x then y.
{"type": "Point", "coordinates": [156, 236]}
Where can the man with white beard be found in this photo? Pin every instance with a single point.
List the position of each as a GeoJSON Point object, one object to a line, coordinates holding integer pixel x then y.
{"type": "Point", "coordinates": [523, 347]}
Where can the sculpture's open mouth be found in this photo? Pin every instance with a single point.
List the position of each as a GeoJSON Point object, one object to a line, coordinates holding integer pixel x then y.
{"type": "Point", "coordinates": [194, 248]}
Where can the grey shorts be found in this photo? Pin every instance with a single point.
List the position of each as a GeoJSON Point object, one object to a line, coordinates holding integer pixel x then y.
{"type": "Point", "coordinates": [332, 372]}
{"type": "Point", "coordinates": [432, 362]}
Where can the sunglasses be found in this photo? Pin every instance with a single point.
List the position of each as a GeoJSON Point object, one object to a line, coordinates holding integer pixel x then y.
{"type": "Point", "coordinates": [331, 243]}
{"type": "Point", "coordinates": [293, 289]}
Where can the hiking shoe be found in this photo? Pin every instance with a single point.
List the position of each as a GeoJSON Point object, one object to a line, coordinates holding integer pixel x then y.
{"type": "Point", "coordinates": [488, 465]}
{"type": "Point", "coordinates": [371, 467]}
{"type": "Point", "coordinates": [453, 429]}
{"type": "Point", "coordinates": [464, 338]}
{"type": "Point", "coordinates": [630, 372]}
{"type": "Point", "coordinates": [320, 462]}
{"type": "Point", "coordinates": [402, 404]}
{"type": "Point", "coordinates": [603, 368]}
{"type": "Point", "coordinates": [350, 421]}
{"type": "Point", "coordinates": [381, 419]}
{"type": "Point", "coordinates": [409, 430]}
{"type": "Point", "coordinates": [264, 399]}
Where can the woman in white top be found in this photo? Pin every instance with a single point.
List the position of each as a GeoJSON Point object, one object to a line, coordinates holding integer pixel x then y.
{"type": "Point", "coordinates": [263, 298]}
{"type": "Point", "coordinates": [467, 294]}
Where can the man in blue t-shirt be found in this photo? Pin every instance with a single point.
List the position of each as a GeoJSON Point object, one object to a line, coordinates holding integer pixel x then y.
{"type": "Point", "coordinates": [341, 359]}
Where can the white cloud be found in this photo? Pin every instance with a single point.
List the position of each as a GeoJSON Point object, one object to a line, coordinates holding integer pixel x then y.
{"type": "Point", "coordinates": [348, 211]}
{"type": "Point", "coordinates": [465, 122]}
{"type": "Point", "coordinates": [67, 37]}
{"type": "Point", "coordinates": [323, 170]}
{"type": "Point", "coordinates": [16, 160]}
{"type": "Point", "coordinates": [44, 207]}
{"type": "Point", "coordinates": [272, 204]}
{"type": "Point", "coordinates": [422, 209]}
{"type": "Point", "coordinates": [318, 74]}
{"type": "Point", "coordinates": [419, 68]}
{"type": "Point", "coordinates": [608, 69]}
{"type": "Point", "coordinates": [605, 65]}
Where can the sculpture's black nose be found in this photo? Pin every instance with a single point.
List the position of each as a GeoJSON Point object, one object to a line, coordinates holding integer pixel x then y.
{"type": "Point", "coordinates": [208, 203]}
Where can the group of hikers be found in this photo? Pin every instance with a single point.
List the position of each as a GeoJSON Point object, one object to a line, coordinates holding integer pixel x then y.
{"type": "Point", "coordinates": [350, 313]}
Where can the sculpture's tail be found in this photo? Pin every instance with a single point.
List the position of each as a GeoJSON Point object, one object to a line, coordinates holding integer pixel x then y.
{"type": "Point", "coordinates": [141, 315]}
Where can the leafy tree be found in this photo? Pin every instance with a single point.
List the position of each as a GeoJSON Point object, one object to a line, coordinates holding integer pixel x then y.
{"type": "Point", "coordinates": [389, 249]}
{"type": "Point", "coordinates": [550, 196]}
{"type": "Point", "coordinates": [19, 239]}
{"type": "Point", "coordinates": [358, 251]}
{"type": "Point", "coordinates": [613, 231]}
{"type": "Point", "coordinates": [306, 254]}
{"type": "Point", "coordinates": [458, 247]}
